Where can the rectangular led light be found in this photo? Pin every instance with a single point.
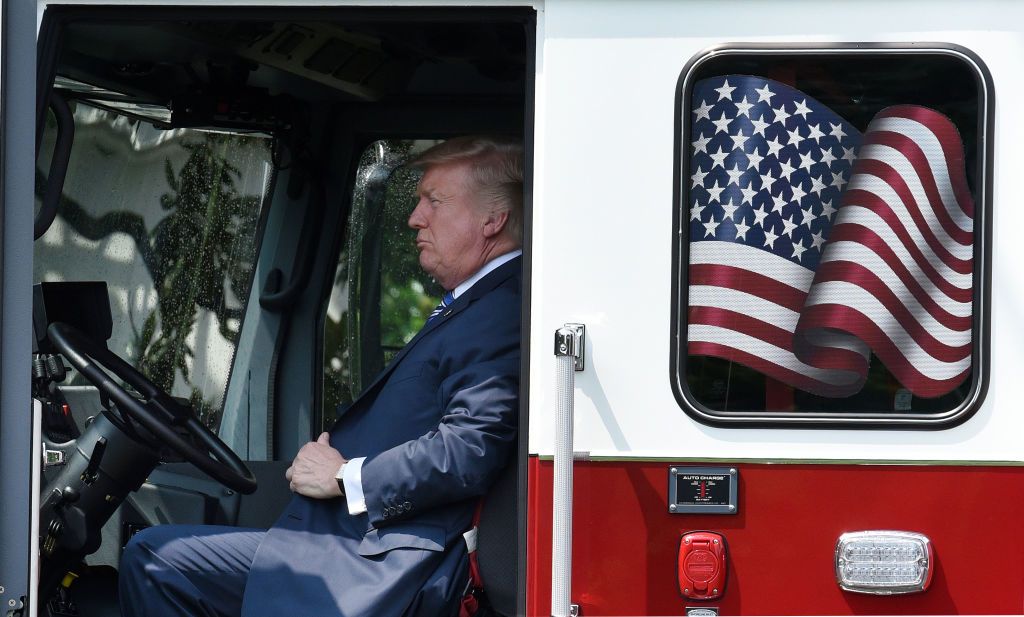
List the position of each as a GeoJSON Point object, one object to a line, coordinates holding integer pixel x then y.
{"type": "Point", "coordinates": [883, 562]}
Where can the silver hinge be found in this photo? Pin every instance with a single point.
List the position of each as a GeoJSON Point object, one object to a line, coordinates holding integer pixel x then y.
{"type": "Point", "coordinates": [52, 458]}
{"type": "Point", "coordinates": [571, 340]}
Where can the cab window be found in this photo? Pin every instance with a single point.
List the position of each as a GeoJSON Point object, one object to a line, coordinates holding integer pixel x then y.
{"type": "Point", "coordinates": [380, 297]}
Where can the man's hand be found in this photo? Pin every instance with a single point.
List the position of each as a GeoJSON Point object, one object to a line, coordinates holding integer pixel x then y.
{"type": "Point", "coordinates": [312, 471]}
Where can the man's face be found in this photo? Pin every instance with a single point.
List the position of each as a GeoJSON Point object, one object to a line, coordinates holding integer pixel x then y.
{"type": "Point", "coordinates": [450, 225]}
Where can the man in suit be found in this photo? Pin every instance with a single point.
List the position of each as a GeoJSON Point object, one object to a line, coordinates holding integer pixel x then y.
{"type": "Point", "coordinates": [382, 500]}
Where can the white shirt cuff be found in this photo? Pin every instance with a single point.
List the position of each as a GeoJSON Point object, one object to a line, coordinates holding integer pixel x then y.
{"type": "Point", "coordinates": [352, 477]}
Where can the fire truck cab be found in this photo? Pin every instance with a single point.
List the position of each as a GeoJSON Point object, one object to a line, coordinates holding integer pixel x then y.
{"type": "Point", "coordinates": [771, 318]}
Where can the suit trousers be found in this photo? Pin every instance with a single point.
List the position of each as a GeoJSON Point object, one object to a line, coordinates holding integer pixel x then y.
{"type": "Point", "coordinates": [194, 570]}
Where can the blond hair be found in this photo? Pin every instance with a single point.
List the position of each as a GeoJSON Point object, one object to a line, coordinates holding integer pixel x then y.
{"type": "Point", "coordinates": [496, 167]}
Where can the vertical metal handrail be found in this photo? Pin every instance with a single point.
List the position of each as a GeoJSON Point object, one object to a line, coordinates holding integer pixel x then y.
{"type": "Point", "coordinates": [569, 347]}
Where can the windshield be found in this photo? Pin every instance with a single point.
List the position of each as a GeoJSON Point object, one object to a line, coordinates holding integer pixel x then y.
{"type": "Point", "coordinates": [169, 220]}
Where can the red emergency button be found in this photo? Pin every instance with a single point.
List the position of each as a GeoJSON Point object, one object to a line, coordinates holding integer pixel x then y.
{"type": "Point", "coordinates": [702, 565]}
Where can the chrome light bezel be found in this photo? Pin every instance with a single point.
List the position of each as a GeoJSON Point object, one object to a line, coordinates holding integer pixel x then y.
{"type": "Point", "coordinates": [882, 588]}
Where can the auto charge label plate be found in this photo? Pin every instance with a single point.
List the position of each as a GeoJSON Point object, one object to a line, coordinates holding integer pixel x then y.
{"type": "Point", "coordinates": [705, 490]}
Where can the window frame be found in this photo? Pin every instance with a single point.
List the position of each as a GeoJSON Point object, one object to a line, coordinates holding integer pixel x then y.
{"type": "Point", "coordinates": [982, 247]}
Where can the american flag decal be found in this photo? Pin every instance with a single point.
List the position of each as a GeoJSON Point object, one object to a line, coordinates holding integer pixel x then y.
{"type": "Point", "coordinates": [813, 246]}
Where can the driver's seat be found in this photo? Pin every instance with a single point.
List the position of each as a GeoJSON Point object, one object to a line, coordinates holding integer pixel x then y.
{"type": "Point", "coordinates": [498, 541]}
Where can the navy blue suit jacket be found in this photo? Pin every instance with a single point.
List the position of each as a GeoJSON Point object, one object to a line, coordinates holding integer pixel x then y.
{"type": "Point", "coordinates": [436, 427]}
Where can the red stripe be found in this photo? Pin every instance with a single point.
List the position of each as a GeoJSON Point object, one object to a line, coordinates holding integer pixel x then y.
{"type": "Point", "coordinates": [862, 277]}
{"type": "Point", "coordinates": [849, 320]}
{"type": "Point", "coordinates": [829, 358]}
{"type": "Point", "coordinates": [892, 177]}
{"type": "Point", "coordinates": [745, 324]}
{"type": "Point", "coordinates": [750, 282]}
{"type": "Point", "coordinates": [917, 332]}
{"type": "Point", "coordinates": [855, 232]}
{"type": "Point", "coordinates": [866, 199]}
{"type": "Point", "coordinates": [912, 151]}
{"type": "Point", "coordinates": [952, 146]}
{"type": "Point", "coordinates": [785, 375]}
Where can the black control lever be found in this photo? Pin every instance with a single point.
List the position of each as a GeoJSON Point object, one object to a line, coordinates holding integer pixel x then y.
{"type": "Point", "coordinates": [89, 475]}
{"type": "Point", "coordinates": [55, 368]}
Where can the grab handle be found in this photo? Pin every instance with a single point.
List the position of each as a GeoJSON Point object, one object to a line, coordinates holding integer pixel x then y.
{"type": "Point", "coordinates": [569, 348]}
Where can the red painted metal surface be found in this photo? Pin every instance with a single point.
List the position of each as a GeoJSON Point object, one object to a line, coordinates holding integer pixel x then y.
{"type": "Point", "coordinates": [781, 543]}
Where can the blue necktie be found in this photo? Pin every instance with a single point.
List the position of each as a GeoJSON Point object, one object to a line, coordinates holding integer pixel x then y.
{"type": "Point", "coordinates": [445, 301]}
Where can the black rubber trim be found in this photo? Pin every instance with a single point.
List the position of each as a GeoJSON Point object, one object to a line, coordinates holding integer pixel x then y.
{"type": "Point", "coordinates": [58, 165]}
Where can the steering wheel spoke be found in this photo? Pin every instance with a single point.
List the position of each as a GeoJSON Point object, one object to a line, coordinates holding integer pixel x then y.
{"type": "Point", "coordinates": [157, 412]}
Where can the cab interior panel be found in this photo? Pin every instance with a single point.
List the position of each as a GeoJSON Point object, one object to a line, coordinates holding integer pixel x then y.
{"type": "Point", "coordinates": [226, 176]}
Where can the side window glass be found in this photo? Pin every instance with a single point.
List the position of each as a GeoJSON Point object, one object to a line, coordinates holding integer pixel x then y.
{"type": "Point", "coordinates": [380, 297]}
{"type": "Point", "coordinates": [833, 214]}
{"type": "Point", "coordinates": [169, 219]}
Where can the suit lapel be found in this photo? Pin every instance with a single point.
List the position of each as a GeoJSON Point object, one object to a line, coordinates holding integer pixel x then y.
{"type": "Point", "coordinates": [484, 285]}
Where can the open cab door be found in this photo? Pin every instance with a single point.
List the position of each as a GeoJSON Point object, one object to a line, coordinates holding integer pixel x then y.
{"type": "Point", "coordinates": [220, 234]}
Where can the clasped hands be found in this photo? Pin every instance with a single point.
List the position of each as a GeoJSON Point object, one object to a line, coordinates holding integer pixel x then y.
{"type": "Point", "coordinates": [313, 471]}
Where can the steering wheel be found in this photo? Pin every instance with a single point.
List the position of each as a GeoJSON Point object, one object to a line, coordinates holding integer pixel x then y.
{"type": "Point", "coordinates": [157, 412]}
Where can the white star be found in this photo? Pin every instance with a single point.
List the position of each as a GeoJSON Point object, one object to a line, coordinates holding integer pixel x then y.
{"type": "Point", "coordinates": [759, 126]}
{"type": "Point", "coordinates": [710, 227]}
{"type": "Point", "coordinates": [838, 180]}
{"type": "Point", "coordinates": [815, 133]}
{"type": "Point", "coordinates": [808, 217]}
{"type": "Point", "coordinates": [722, 124]}
{"type": "Point", "coordinates": [788, 226]}
{"type": "Point", "coordinates": [798, 250]}
{"type": "Point", "coordinates": [802, 109]}
{"type": "Point", "coordinates": [754, 159]}
{"type": "Point", "coordinates": [718, 158]}
{"type": "Point", "coordinates": [795, 137]}
{"type": "Point", "coordinates": [798, 193]}
{"type": "Point", "coordinates": [837, 131]}
{"type": "Point", "coordinates": [715, 192]}
{"type": "Point", "coordinates": [770, 238]}
{"type": "Point", "coordinates": [807, 159]}
{"type": "Point", "coordinates": [827, 209]}
{"type": "Point", "coordinates": [827, 157]}
{"type": "Point", "coordinates": [817, 186]}
{"type": "Point", "coordinates": [767, 179]}
{"type": "Point", "coordinates": [759, 215]}
{"type": "Point", "coordinates": [696, 210]}
{"type": "Point", "coordinates": [698, 178]}
{"type": "Point", "coordinates": [701, 145]}
{"type": "Point", "coordinates": [741, 230]}
{"type": "Point", "coordinates": [817, 240]}
{"type": "Point", "coordinates": [778, 203]}
{"type": "Point", "coordinates": [781, 115]}
{"type": "Point", "coordinates": [748, 194]}
{"type": "Point", "coordinates": [730, 210]}
{"type": "Point", "coordinates": [848, 155]}
{"type": "Point", "coordinates": [786, 170]}
{"type": "Point", "coordinates": [739, 140]}
{"type": "Point", "coordinates": [734, 175]}
{"type": "Point", "coordinates": [774, 146]}
{"type": "Point", "coordinates": [743, 108]}
{"type": "Point", "coordinates": [704, 111]}
{"type": "Point", "coordinates": [725, 92]}
{"type": "Point", "coordinates": [764, 94]}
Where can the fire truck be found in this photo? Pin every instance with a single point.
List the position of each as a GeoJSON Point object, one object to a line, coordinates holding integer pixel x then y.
{"type": "Point", "coordinates": [771, 314]}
